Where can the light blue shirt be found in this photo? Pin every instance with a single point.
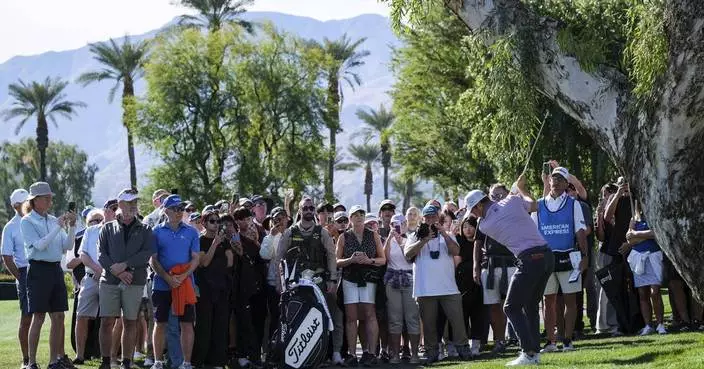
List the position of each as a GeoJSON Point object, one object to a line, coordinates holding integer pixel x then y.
{"type": "Point", "coordinates": [12, 241]}
{"type": "Point", "coordinates": [44, 240]}
{"type": "Point", "coordinates": [89, 244]}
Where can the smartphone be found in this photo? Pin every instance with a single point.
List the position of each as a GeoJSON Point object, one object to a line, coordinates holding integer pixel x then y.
{"type": "Point", "coordinates": [455, 223]}
{"type": "Point", "coordinates": [397, 228]}
{"type": "Point", "coordinates": [72, 207]}
{"type": "Point", "coordinates": [174, 191]}
{"type": "Point", "coordinates": [236, 237]}
{"type": "Point", "coordinates": [546, 168]}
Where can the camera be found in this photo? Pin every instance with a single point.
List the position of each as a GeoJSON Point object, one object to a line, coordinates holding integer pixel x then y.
{"type": "Point", "coordinates": [435, 254]}
{"type": "Point", "coordinates": [72, 207]}
{"type": "Point", "coordinates": [434, 230]}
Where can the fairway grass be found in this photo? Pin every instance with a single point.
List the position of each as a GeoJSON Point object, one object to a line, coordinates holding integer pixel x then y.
{"type": "Point", "coordinates": [680, 350]}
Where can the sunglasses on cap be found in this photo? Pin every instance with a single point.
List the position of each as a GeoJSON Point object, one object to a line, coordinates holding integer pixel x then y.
{"type": "Point", "coordinates": [388, 208]}
{"type": "Point", "coordinates": [308, 208]}
{"type": "Point", "coordinates": [342, 221]}
{"type": "Point", "coordinates": [132, 191]}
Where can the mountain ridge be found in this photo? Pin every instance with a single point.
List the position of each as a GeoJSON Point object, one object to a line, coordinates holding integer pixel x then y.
{"type": "Point", "coordinates": [98, 129]}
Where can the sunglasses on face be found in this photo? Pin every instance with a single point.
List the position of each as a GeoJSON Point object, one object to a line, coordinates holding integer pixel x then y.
{"type": "Point", "coordinates": [308, 208]}
{"type": "Point", "coordinates": [213, 221]}
{"type": "Point", "coordinates": [190, 210]}
{"type": "Point", "coordinates": [177, 209]}
{"type": "Point", "coordinates": [113, 208]}
{"type": "Point", "coordinates": [342, 221]}
{"type": "Point", "coordinates": [95, 221]}
{"type": "Point", "coordinates": [388, 208]}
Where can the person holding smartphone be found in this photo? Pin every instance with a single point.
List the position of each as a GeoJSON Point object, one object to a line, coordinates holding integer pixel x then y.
{"type": "Point", "coordinates": [214, 278]}
{"type": "Point", "coordinates": [46, 239]}
{"type": "Point", "coordinates": [401, 306]}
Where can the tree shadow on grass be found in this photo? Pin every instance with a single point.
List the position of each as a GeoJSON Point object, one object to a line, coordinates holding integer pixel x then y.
{"type": "Point", "coordinates": [644, 358]}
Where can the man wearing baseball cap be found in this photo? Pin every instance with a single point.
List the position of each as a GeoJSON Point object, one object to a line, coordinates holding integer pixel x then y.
{"type": "Point", "coordinates": [560, 220]}
{"type": "Point", "coordinates": [509, 223]}
{"type": "Point", "coordinates": [175, 258]}
{"type": "Point", "coordinates": [432, 249]}
{"type": "Point", "coordinates": [13, 255]}
{"type": "Point", "coordinates": [125, 246]}
{"type": "Point", "coordinates": [46, 239]}
{"type": "Point", "coordinates": [157, 215]}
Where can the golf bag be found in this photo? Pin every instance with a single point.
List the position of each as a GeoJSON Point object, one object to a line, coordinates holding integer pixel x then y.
{"type": "Point", "coordinates": [302, 337]}
{"type": "Point", "coordinates": [617, 281]}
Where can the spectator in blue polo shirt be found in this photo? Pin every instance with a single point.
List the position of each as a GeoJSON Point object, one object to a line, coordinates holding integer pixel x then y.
{"type": "Point", "coordinates": [176, 243]}
{"type": "Point", "coordinates": [16, 263]}
{"type": "Point", "coordinates": [46, 239]}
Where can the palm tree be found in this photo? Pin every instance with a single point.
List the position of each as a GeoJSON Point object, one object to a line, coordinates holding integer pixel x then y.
{"type": "Point", "coordinates": [213, 14]}
{"type": "Point", "coordinates": [365, 154]}
{"type": "Point", "coordinates": [44, 101]}
{"type": "Point", "coordinates": [122, 64]}
{"type": "Point", "coordinates": [345, 60]}
{"type": "Point", "coordinates": [407, 186]}
{"type": "Point", "coordinates": [379, 123]}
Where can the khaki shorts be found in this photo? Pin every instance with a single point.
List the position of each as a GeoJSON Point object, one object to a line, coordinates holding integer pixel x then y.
{"type": "Point", "coordinates": [561, 280]}
{"type": "Point", "coordinates": [122, 301]}
{"type": "Point", "coordinates": [88, 302]}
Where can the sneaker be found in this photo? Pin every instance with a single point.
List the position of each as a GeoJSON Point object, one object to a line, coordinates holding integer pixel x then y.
{"type": "Point", "coordinates": [549, 347]}
{"type": "Point", "coordinates": [66, 362]}
{"type": "Point", "coordinates": [394, 360]}
{"type": "Point", "coordinates": [430, 359]}
{"type": "Point", "coordinates": [373, 361]}
{"type": "Point", "coordinates": [158, 365]}
{"type": "Point", "coordinates": [405, 353]}
{"type": "Point", "coordinates": [351, 362]}
{"type": "Point", "coordinates": [513, 342]}
{"type": "Point", "coordinates": [441, 352]}
{"type": "Point", "coordinates": [615, 332]}
{"type": "Point", "coordinates": [499, 348]}
{"type": "Point", "coordinates": [56, 365]}
{"type": "Point", "coordinates": [78, 361]}
{"type": "Point", "coordinates": [465, 352]}
{"type": "Point", "coordinates": [646, 330]}
{"type": "Point", "coordinates": [452, 351]}
{"type": "Point", "coordinates": [138, 356]}
{"type": "Point", "coordinates": [567, 346]}
{"type": "Point", "coordinates": [475, 348]}
{"type": "Point", "coordinates": [148, 362]}
{"type": "Point", "coordinates": [524, 359]}
{"type": "Point", "coordinates": [104, 366]}
{"type": "Point", "coordinates": [185, 366]}
{"type": "Point", "coordinates": [661, 329]}
{"type": "Point", "coordinates": [414, 360]}
{"type": "Point", "coordinates": [384, 357]}
{"type": "Point", "coordinates": [337, 359]}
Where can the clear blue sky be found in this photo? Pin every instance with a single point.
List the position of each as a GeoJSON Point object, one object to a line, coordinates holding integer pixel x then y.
{"type": "Point", "coordinates": [30, 27]}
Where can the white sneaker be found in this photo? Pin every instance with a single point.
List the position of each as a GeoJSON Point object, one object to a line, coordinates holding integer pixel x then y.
{"type": "Point", "coordinates": [157, 365]}
{"type": "Point", "coordinates": [185, 366]}
{"type": "Point", "coordinates": [524, 359]}
{"type": "Point", "coordinates": [549, 347]}
{"type": "Point", "coordinates": [661, 329]}
{"type": "Point", "coordinates": [452, 351]}
{"type": "Point", "coordinates": [646, 330]}
{"type": "Point", "coordinates": [148, 362]}
{"type": "Point", "coordinates": [137, 356]}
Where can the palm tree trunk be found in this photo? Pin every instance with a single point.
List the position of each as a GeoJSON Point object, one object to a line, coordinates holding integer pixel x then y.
{"type": "Point", "coordinates": [329, 193]}
{"type": "Point", "coordinates": [368, 186]}
{"type": "Point", "coordinates": [333, 123]}
{"type": "Point", "coordinates": [129, 115]}
{"type": "Point", "coordinates": [42, 144]}
{"type": "Point", "coordinates": [407, 198]}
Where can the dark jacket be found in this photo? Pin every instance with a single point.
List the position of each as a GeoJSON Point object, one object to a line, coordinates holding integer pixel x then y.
{"type": "Point", "coordinates": [133, 248]}
{"type": "Point", "coordinates": [250, 272]}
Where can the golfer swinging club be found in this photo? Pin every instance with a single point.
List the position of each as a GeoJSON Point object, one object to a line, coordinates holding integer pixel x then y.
{"type": "Point", "coordinates": [508, 221]}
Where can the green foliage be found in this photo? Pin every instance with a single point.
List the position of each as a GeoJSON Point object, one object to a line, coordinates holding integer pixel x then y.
{"type": "Point", "coordinates": [227, 113]}
{"type": "Point", "coordinates": [69, 174]}
{"type": "Point", "coordinates": [645, 56]}
{"type": "Point", "coordinates": [214, 14]}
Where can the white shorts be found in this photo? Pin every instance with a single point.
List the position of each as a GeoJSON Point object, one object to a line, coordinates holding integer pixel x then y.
{"type": "Point", "coordinates": [358, 295]}
{"type": "Point", "coordinates": [88, 303]}
{"type": "Point", "coordinates": [493, 296]}
{"type": "Point", "coordinates": [561, 280]}
{"type": "Point", "coordinates": [649, 276]}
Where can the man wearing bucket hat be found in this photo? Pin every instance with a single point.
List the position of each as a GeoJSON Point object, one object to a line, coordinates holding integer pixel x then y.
{"type": "Point", "coordinates": [13, 255]}
{"type": "Point", "coordinates": [508, 222]}
{"type": "Point", "coordinates": [46, 239]}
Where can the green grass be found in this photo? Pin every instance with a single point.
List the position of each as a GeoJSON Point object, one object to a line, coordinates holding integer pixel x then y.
{"type": "Point", "coordinates": [681, 350]}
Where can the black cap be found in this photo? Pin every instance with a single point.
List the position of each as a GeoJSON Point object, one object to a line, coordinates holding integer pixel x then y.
{"type": "Point", "coordinates": [324, 207]}
{"type": "Point", "coordinates": [241, 213]}
{"type": "Point", "coordinates": [108, 204]}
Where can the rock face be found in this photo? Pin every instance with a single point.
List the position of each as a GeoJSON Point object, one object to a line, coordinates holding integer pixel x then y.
{"type": "Point", "coordinates": [660, 150]}
{"type": "Point", "coordinates": [98, 129]}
